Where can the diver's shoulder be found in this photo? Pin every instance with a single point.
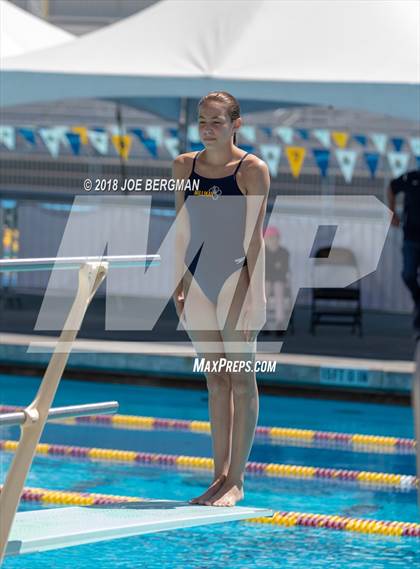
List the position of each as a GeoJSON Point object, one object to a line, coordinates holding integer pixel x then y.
{"type": "Point", "coordinates": [183, 162]}
{"type": "Point", "coordinates": [254, 166]}
{"type": "Point", "coordinates": [184, 158]}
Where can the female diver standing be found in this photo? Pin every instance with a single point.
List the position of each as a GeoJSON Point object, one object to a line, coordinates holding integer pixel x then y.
{"type": "Point", "coordinates": [222, 304]}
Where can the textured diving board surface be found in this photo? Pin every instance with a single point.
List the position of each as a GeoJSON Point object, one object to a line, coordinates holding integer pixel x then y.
{"type": "Point", "coordinates": [40, 530]}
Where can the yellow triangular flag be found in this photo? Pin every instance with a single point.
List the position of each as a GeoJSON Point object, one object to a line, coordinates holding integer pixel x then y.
{"type": "Point", "coordinates": [7, 237]}
{"type": "Point", "coordinates": [122, 144]}
{"type": "Point", "coordinates": [295, 156]}
{"type": "Point", "coordinates": [15, 241]}
{"type": "Point", "coordinates": [82, 131]}
{"type": "Point", "coordinates": [340, 138]}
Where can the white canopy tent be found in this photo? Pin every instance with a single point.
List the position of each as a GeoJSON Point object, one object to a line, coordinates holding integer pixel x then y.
{"type": "Point", "coordinates": [20, 32]}
{"type": "Point", "coordinates": [360, 55]}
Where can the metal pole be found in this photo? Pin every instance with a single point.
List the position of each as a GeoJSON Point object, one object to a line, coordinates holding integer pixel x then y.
{"type": "Point", "coordinates": [183, 124]}
{"type": "Point", "coordinates": [118, 115]}
{"type": "Point", "coordinates": [91, 276]}
{"type": "Point", "coordinates": [46, 9]}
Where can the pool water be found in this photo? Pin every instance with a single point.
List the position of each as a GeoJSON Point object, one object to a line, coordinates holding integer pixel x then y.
{"type": "Point", "coordinates": [237, 545]}
{"type": "Point", "coordinates": [300, 412]}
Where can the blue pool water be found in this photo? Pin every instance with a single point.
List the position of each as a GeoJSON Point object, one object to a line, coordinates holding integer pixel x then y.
{"type": "Point", "coordinates": [236, 545]}
{"type": "Point", "coordinates": [300, 412]}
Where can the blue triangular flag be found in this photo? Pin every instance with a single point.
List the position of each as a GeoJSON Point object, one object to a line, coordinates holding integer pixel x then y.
{"type": "Point", "coordinates": [304, 133]}
{"type": "Point", "coordinates": [74, 141]}
{"type": "Point", "coordinates": [149, 143]}
{"type": "Point", "coordinates": [267, 130]}
{"type": "Point", "coordinates": [398, 143]}
{"type": "Point", "coordinates": [321, 158]}
{"type": "Point", "coordinates": [28, 134]}
{"type": "Point", "coordinates": [247, 147]}
{"type": "Point", "coordinates": [196, 146]}
{"type": "Point", "coordinates": [372, 160]}
{"type": "Point", "coordinates": [361, 139]}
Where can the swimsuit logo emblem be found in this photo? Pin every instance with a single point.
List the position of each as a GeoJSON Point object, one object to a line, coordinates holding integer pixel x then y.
{"type": "Point", "coordinates": [216, 191]}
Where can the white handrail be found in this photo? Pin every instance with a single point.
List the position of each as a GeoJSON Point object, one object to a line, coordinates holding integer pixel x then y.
{"type": "Point", "coordinates": [49, 263]}
{"type": "Point", "coordinates": [67, 412]}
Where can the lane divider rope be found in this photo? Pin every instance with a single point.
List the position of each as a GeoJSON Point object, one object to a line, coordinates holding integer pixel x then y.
{"type": "Point", "coordinates": [285, 519]}
{"type": "Point", "coordinates": [379, 479]}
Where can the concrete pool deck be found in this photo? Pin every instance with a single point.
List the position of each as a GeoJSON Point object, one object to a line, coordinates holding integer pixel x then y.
{"type": "Point", "coordinates": [175, 360]}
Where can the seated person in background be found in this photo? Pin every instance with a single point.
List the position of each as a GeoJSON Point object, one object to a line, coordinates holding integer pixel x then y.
{"type": "Point", "coordinates": [276, 270]}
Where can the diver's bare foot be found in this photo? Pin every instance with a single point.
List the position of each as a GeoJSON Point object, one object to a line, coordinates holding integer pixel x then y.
{"type": "Point", "coordinates": [231, 492]}
{"type": "Point", "coordinates": [212, 489]}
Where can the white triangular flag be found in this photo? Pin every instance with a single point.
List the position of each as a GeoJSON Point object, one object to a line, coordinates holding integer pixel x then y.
{"type": "Point", "coordinates": [415, 145]}
{"type": "Point", "coordinates": [379, 140]}
{"type": "Point", "coordinates": [346, 160]}
{"type": "Point", "coordinates": [99, 140]}
{"type": "Point", "coordinates": [172, 146]}
{"type": "Point", "coordinates": [192, 134]}
{"type": "Point", "coordinates": [398, 162]}
{"type": "Point", "coordinates": [248, 132]}
{"type": "Point", "coordinates": [285, 133]}
{"type": "Point", "coordinates": [323, 135]}
{"type": "Point", "coordinates": [117, 130]}
{"type": "Point", "coordinates": [52, 137]}
{"type": "Point", "coordinates": [271, 154]}
{"type": "Point", "coordinates": [61, 132]}
{"type": "Point", "coordinates": [8, 136]}
{"type": "Point", "coordinates": [156, 133]}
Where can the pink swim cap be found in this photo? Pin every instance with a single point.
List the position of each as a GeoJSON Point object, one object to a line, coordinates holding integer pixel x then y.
{"type": "Point", "coordinates": [272, 231]}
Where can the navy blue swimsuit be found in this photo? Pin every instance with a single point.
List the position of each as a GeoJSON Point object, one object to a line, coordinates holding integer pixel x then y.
{"type": "Point", "coordinates": [217, 227]}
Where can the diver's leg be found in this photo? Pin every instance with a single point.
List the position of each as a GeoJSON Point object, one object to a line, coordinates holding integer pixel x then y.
{"type": "Point", "coordinates": [201, 313]}
{"type": "Point", "coordinates": [244, 388]}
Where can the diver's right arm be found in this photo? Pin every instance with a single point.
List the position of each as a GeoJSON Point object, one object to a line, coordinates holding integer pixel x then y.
{"type": "Point", "coordinates": [182, 232]}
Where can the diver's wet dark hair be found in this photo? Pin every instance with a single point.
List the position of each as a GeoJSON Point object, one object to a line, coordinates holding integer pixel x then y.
{"type": "Point", "coordinates": [232, 105]}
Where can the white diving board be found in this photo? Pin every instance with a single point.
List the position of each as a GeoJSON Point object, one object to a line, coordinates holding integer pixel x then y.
{"type": "Point", "coordinates": [42, 530]}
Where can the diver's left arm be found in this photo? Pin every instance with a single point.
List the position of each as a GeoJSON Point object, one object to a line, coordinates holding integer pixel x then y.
{"type": "Point", "coordinates": [257, 181]}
